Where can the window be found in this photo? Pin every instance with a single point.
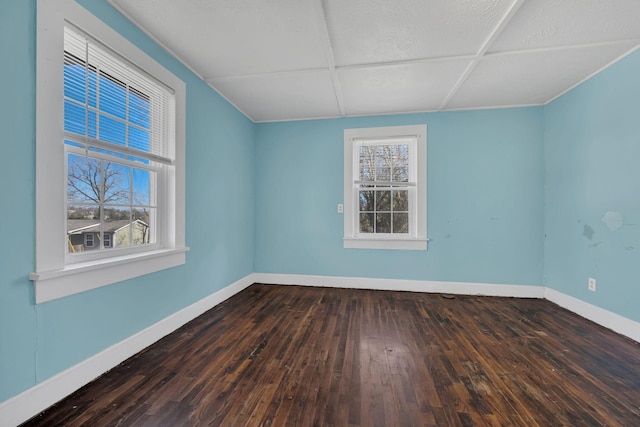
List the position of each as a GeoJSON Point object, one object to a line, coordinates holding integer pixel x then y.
{"type": "Point", "coordinates": [119, 139]}
{"type": "Point", "coordinates": [88, 240]}
{"type": "Point", "coordinates": [107, 240]}
{"type": "Point", "coordinates": [111, 122]}
{"type": "Point", "coordinates": [385, 188]}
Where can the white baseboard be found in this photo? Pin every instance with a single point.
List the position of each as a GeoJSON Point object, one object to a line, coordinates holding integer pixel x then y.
{"type": "Point", "coordinates": [622, 325]}
{"type": "Point", "coordinates": [39, 397]}
{"type": "Point", "coordinates": [458, 288]}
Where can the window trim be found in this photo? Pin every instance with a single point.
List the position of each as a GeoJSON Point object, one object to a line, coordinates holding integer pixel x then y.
{"type": "Point", "coordinates": [53, 277]}
{"type": "Point", "coordinates": [417, 238]}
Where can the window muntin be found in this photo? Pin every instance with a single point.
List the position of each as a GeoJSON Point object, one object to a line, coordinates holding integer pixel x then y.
{"type": "Point", "coordinates": [117, 142]}
{"type": "Point", "coordinates": [385, 188]}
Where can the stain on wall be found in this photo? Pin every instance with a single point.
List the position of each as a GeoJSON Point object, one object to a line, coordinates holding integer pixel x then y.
{"type": "Point", "coordinates": [613, 220]}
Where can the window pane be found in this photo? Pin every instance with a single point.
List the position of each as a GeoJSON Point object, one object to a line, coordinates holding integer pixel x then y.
{"type": "Point", "coordinates": [83, 179]}
{"type": "Point", "coordinates": [112, 130]}
{"type": "Point", "coordinates": [82, 220]}
{"type": "Point", "coordinates": [117, 188]}
{"type": "Point", "coordinates": [139, 139]}
{"type": "Point", "coordinates": [139, 112]}
{"type": "Point", "coordinates": [366, 223]}
{"type": "Point", "coordinates": [74, 80]}
{"type": "Point", "coordinates": [400, 200]}
{"type": "Point", "coordinates": [383, 200]}
{"type": "Point", "coordinates": [113, 97]}
{"type": "Point", "coordinates": [74, 118]}
{"type": "Point", "coordinates": [142, 186]}
{"type": "Point", "coordinates": [400, 222]}
{"type": "Point", "coordinates": [400, 174]}
{"type": "Point", "coordinates": [143, 221]}
{"type": "Point", "coordinates": [383, 173]}
{"type": "Point", "coordinates": [134, 233]}
{"type": "Point", "coordinates": [366, 163]}
{"type": "Point", "coordinates": [383, 223]}
{"type": "Point", "coordinates": [367, 201]}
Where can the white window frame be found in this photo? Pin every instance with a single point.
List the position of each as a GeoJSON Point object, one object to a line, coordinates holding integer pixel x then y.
{"type": "Point", "coordinates": [416, 239]}
{"type": "Point", "coordinates": [56, 277]}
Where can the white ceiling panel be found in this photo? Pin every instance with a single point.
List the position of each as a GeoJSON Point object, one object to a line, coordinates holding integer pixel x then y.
{"type": "Point", "coordinates": [549, 23]}
{"type": "Point", "coordinates": [398, 88]}
{"type": "Point", "coordinates": [220, 38]}
{"type": "Point", "coordinates": [531, 78]}
{"type": "Point", "coordinates": [279, 96]}
{"type": "Point", "coordinates": [371, 31]}
{"type": "Point", "coordinates": [296, 59]}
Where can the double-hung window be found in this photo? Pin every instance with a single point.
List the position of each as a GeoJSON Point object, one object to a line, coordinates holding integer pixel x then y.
{"type": "Point", "coordinates": [385, 188]}
{"type": "Point", "coordinates": [109, 156]}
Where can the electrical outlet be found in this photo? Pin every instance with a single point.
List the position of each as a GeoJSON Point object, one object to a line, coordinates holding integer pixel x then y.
{"type": "Point", "coordinates": [340, 208]}
{"type": "Point", "coordinates": [592, 284]}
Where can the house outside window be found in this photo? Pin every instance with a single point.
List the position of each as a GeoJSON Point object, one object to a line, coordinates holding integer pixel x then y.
{"type": "Point", "coordinates": [119, 141]}
{"type": "Point", "coordinates": [385, 188]}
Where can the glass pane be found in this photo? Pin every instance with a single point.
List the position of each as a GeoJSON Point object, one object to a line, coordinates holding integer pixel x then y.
{"type": "Point", "coordinates": [74, 118]}
{"type": "Point", "coordinates": [383, 173]}
{"type": "Point", "coordinates": [366, 173]}
{"type": "Point", "coordinates": [139, 139]}
{"type": "Point", "coordinates": [383, 223]}
{"type": "Point", "coordinates": [141, 187]}
{"type": "Point", "coordinates": [400, 174]}
{"type": "Point", "coordinates": [134, 233]}
{"type": "Point", "coordinates": [139, 111]}
{"type": "Point", "coordinates": [113, 97]}
{"type": "Point", "coordinates": [366, 162]}
{"type": "Point", "coordinates": [400, 222]}
{"type": "Point", "coordinates": [116, 213]}
{"type": "Point", "coordinates": [74, 81]}
{"type": "Point", "coordinates": [383, 200]}
{"type": "Point", "coordinates": [83, 226]}
{"type": "Point", "coordinates": [400, 200]}
{"type": "Point", "coordinates": [117, 188]}
{"type": "Point", "coordinates": [366, 223]}
{"type": "Point", "coordinates": [112, 130]}
{"type": "Point", "coordinates": [83, 179]}
{"type": "Point", "coordinates": [366, 200]}
{"type": "Point", "coordinates": [141, 226]}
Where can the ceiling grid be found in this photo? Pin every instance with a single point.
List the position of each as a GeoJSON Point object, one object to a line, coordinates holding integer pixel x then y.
{"type": "Point", "coordinates": [281, 60]}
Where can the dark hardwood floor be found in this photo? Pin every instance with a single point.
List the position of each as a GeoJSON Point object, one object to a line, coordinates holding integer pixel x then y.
{"type": "Point", "coordinates": [286, 355]}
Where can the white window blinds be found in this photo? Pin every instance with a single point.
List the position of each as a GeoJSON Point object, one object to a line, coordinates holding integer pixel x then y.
{"type": "Point", "coordinates": [112, 106]}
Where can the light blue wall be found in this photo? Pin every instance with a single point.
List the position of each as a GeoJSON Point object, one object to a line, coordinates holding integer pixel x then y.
{"type": "Point", "coordinates": [37, 342]}
{"type": "Point", "coordinates": [484, 199]}
{"type": "Point", "coordinates": [592, 166]}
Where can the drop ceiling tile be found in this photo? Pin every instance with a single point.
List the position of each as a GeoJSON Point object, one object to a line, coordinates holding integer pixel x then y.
{"type": "Point", "coordinates": [398, 88]}
{"type": "Point", "coordinates": [282, 96]}
{"type": "Point", "coordinates": [531, 78]}
{"type": "Point", "coordinates": [548, 23]}
{"type": "Point", "coordinates": [231, 37]}
{"type": "Point", "coordinates": [369, 31]}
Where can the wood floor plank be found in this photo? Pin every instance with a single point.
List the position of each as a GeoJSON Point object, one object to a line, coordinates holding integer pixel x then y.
{"type": "Point", "coordinates": [298, 356]}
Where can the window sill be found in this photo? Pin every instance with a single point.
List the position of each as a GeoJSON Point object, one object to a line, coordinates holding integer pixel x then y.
{"type": "Point", "coordinates": [80, 277]}
{"type": "Point", "coordinates": [382, 243]}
